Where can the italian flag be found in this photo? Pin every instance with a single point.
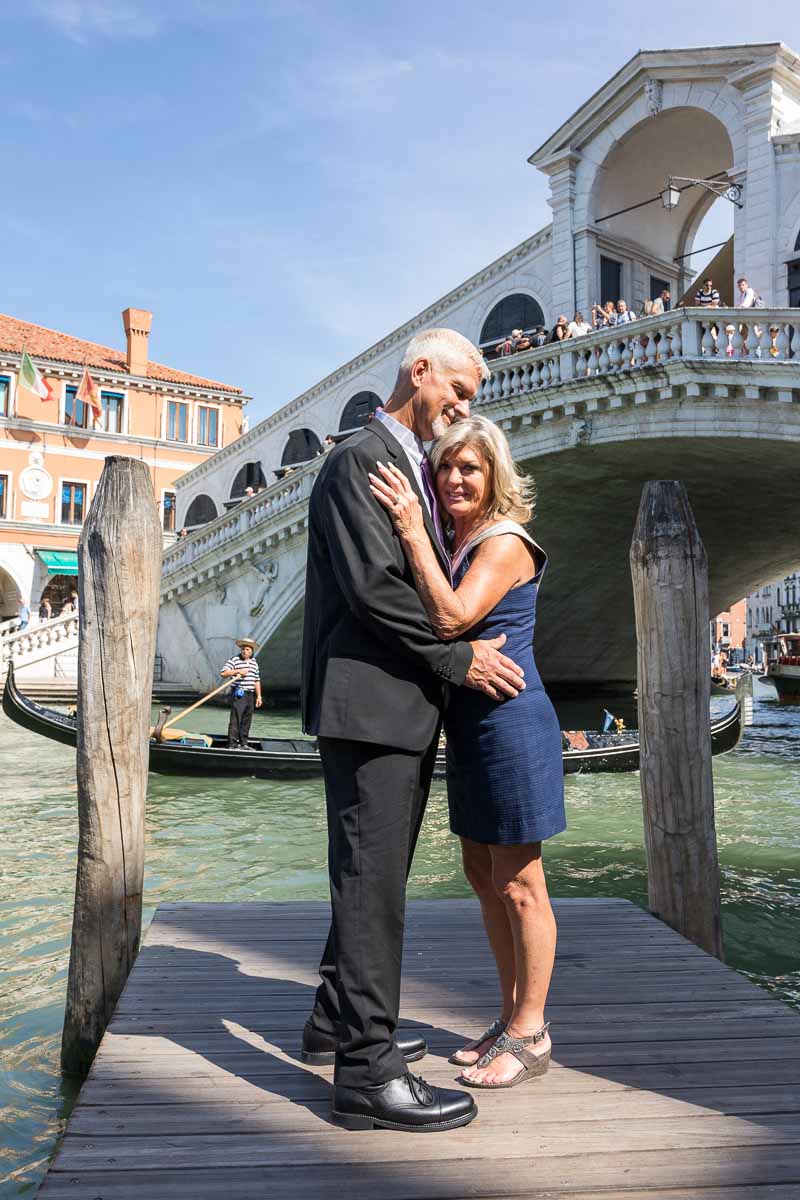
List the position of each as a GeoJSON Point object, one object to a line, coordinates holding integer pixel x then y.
{"type": "Point", "coordinates": [30, 377]}
{"type": "Point", "coordinates": [89, 393]}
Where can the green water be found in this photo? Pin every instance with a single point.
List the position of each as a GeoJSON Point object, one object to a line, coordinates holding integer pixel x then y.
{"type": "Point", "coordinates": [253, 840]}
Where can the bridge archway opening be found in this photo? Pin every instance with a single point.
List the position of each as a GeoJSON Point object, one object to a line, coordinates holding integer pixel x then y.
{"type": "Point", "coordinates": [58, 590]}
{"type": "Point", "coordinates": [628, 222]}
{"type": "Point", "coordinates": [9, 596]}
{"type": "Point", "coordinates": [200, 512]}
{"type": "Point", "coordinates": [714, 254]}
{"type": "Point", "coordinates": [250, 475]}
{"type": "Point", "coordinates": [358, 410]}
{"type": "Point", "coordinates": [517, 311]}
{"type": "Point", "coordinates": [302, 446]}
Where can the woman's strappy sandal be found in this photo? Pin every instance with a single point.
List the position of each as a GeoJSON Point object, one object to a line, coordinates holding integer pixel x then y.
{"type": "Point", "coordinates": [495, 1029]}
{"type": "Point", "coordinates": [532, 1064]}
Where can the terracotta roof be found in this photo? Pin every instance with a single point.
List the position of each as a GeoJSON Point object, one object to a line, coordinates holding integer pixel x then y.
{"type": "Point", "coordinates": [61, 347]}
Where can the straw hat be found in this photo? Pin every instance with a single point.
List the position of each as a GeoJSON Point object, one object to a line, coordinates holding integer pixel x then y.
{"type": "Point", "coordinates": [242, 642]}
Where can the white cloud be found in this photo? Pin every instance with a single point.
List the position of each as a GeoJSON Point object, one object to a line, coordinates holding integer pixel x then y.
{"type": "Point", "coordinates": [80, 19]}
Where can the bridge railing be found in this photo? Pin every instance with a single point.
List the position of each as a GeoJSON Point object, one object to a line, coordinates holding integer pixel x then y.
{"type": "Point", "coordinates": [760, 335]}
{"type": "Point", "coordinates": [255, 511]}
{"type": "Point", "coordinates": [38, 642]}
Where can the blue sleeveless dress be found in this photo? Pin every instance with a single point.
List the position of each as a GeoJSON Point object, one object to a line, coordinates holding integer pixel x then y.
{"type": "Point", "coordinates": [505, 774]}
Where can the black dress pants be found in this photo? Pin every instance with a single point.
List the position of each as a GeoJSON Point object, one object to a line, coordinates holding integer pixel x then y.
{"type": "Point", "coordinates": [376, 798]}
{"type": "Point", "coordinates": [241, 716]}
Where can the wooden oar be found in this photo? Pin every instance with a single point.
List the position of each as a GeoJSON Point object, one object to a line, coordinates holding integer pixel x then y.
{"type": "Point", "coordinates": [157, 731]}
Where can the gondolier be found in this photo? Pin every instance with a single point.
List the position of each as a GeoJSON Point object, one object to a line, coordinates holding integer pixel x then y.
{"type": "Point", "coordinates": [245, 692]}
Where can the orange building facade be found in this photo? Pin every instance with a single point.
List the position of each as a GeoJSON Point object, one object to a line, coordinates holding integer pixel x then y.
{"type": "Point", "coordinates": [52, 451]}
{"type": "Point", "coordinates": [728, 632]}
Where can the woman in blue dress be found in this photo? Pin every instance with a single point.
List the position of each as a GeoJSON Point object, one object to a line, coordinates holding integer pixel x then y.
{"type": "Point", "coordinates": [504, 762]}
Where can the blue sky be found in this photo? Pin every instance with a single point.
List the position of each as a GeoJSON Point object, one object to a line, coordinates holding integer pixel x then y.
{"type": "Point", "coordinates": [283, 183]}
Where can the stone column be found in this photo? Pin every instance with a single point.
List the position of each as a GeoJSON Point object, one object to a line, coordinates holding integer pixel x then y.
{"type": "Point", "coordinates": [756, 224]}
{"type": "Point", "coordinates": [561, 170]}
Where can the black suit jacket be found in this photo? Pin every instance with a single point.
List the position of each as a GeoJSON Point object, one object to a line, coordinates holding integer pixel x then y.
{"type": "Point", "coordinates": [373, 669]}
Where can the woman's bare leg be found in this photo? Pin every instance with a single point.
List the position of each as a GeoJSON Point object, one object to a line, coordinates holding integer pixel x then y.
{"type": "Point", "coordinates": [519, 883]}
{"type": "Point", "coordinates": [478, 870]}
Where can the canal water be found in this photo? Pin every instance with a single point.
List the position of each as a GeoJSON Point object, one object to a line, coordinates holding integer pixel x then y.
{"type": "Point", "coordinates": [254, 840]}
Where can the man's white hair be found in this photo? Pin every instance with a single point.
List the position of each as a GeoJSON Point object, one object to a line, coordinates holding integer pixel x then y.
{"type": "Point", "coordinates": [443, 348]}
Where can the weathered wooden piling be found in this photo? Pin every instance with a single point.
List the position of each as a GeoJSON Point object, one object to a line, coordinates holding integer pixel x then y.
{"type": "Point", "coordinates": [670, 587]}
{"type": "Point", "coordinates": [119, 559]}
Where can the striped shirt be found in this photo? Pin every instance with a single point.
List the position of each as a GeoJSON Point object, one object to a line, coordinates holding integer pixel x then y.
{"type": "Point", "coordinates": [704, 298]}
{"type": "Point", "coordinates": [247, 682]}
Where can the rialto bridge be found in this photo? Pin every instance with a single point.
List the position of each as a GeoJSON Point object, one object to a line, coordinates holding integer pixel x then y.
{"type": "Point", "coordinates": [591, 419]}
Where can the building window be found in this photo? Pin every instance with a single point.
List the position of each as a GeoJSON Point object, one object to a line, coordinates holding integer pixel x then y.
{"type": "Point", "coordinates": [168, 512]}
{"type": "Point", "coordinates": [75, 411]}
{"type": "Point", "coordinates": [5, 396]}
{"type": "Point", "coordinates": [512, 312]}
{"type": "Point", "coordinates": [302, 446]}
{"type": "Point", "coordinates": [73, 502]}
{"type": "Point", "coordinates": [610, 279]}
{"type": "Point", "coordinates": [177, 421]}
{"type": "Point", "coordinates": [111, 419]}
{"type": "Point", "coordinates": [657, 286]}
{"type": "Point", "coordinates": [358, 410]}
{"type": "Point", "coordinates": [3, 496]}
{"type": "Point", "coordinates": [250, 475]}
{"type": "Point", "coordinates": [200, 512]}
{"type": "Point", "coordinates": [207, 421]}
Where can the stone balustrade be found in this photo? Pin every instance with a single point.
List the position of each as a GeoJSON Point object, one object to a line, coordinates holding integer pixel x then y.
{"type": "Point", "coordinates": [8, 627]}
{"type": "Point", "coordinates": [261, 515]}
{"type": "Point", "coordinates": [687, 335]}
{"type": "Point", "coordinates": [38, 642]}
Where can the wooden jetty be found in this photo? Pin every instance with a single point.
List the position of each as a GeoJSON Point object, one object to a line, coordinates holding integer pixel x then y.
{"type": "Point", "coordinates": [673, 1075]}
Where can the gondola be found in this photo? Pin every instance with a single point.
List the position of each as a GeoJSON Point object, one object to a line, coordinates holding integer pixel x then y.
{"type": "Point", "coordinates": [298, 758]}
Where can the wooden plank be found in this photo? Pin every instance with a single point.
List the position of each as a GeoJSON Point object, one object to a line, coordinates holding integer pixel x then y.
{"type": "Point", "coordinates": [754, 1007]}
{"type": "Point", "coordinates": [231, 1150]}
{"type": "Point", "coordinates": [426, 1177]}
{"type": "Point", "coordinates": [123, 1046]}
{"type": "Point", "coordinates": [219, 1116]}
{"type": "Point", "coordinates": [247, 1185]}
{"type": "Point", "coordinates": [303, 1084]}
{"type": "Point", "coordinates": [247, 1060]}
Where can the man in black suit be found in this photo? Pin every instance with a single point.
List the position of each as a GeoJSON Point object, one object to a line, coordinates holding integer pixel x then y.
{"type": "Point", "coordinates": [373, 689]}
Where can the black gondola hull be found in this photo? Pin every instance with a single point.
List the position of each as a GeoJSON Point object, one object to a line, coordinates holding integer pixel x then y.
{"type": "Point", "coordinates": [298, 758]}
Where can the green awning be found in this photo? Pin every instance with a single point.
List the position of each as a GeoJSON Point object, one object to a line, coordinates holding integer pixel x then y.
{"type": "Point", "coordinates": [60, 562]}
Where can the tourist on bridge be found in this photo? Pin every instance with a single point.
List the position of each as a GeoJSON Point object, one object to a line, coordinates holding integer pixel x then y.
{"type": "Point", "coordinates": [578, 327]}
{"type": "Point", "coordinates": [245, 693]}
{"type": "Point", "coordinates": [505, 778]}
{"type": "Point", "coordinates": [45, 609]}
{"type": "Point", "coordinates": [559, 331]}
{"type": "Point", "coordinates": [373, 692]}
{"type": "Point", "coordinates": [707, 296]}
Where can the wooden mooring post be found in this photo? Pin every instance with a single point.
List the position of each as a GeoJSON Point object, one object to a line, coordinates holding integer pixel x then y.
{"type": "Point", "coordinates": [670, 587]}
{"type": "Point", "coordinates": [119, 560]}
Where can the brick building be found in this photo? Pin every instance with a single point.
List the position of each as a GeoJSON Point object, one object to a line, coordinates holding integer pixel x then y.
{"type": "Point", "coordinates": [52, 451]}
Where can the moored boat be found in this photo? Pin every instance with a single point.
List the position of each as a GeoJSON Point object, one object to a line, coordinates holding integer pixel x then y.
{"type": "Point", "coordinates": [783, 666]}
{"type": "Point", "coordinates": [298, 758]}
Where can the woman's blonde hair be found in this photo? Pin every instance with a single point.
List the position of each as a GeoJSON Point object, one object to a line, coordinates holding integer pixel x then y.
{"type": "Point", "coordinates": [510, 493]}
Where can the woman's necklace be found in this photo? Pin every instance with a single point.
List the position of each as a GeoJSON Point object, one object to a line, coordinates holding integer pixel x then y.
{"type": "Point", "coordinates": [470, 533]}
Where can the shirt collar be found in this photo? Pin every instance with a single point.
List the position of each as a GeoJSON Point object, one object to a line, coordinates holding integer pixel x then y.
{"type": "Point", "coordinates": [401, 433]}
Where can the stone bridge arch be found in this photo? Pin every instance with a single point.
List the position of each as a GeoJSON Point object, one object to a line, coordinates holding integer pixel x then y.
{"type": "Point", "coordinates": [279, 631]}
{"type": "Point", "coordinates": [734, 458]}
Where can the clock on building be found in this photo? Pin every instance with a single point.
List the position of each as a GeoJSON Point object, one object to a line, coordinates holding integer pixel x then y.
{"type": "Point", "coordinates": [36, 483]}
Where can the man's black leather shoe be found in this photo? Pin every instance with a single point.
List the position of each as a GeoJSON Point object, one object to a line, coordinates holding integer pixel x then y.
{"type": "Point", "coordinates": [319, 1049]}
{"type": "Point", "coordinates": [407, 1103]}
